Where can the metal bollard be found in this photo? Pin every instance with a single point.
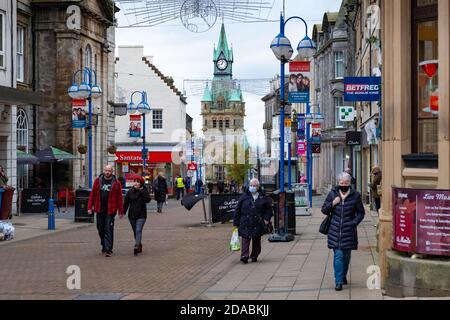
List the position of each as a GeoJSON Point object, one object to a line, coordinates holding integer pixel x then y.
{"type": "Point", "coordinates": [51, 215]}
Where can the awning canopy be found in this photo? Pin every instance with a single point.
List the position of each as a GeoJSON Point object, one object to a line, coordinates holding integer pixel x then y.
{"type": "Point", "coordinates": [52, 154]}
{"type": "Point", "coordinates": [26, 158]}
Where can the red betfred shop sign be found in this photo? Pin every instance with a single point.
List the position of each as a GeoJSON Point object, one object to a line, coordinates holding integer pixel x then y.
{"type": "Point", "coordinates": [136, 156]}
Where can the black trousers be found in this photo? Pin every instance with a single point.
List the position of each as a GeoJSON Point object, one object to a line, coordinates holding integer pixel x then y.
{"type": "Point", "coordinates": [377, 203]}
{"type": "Point", "coordinates": [105, 227]}
{"type": "Point", "coordinates": [256, 247]}
{"type": "Point", "coordinates": [180, 193]}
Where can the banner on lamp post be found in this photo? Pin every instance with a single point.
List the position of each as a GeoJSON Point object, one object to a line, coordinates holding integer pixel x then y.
{"type": "Point", "coordinates": [301, 133]}
{"type": "Point", "coordinates": [301, 148]}
{"type": "Point", "coordinates": [299, 82]}
{"type": "Point", "coordinates": [316, 133]}
{"type": "Point", "coordinates": [135, 126]}
{"type": "Point", "coordinates": [79, 113]}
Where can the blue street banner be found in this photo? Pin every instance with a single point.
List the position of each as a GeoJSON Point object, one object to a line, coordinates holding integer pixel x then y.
{"type": "Point", "coordinates": [301, 134]}
{"type": "Point", "coordinates": [362, 89]}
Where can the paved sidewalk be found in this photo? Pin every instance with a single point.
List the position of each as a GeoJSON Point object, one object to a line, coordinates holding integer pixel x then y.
{"type": "Point", "coordinates": [302, 269]}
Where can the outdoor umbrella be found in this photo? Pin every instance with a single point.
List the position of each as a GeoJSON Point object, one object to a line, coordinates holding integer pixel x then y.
{"type": "Point", "coordinates": [26, 158]}
{"type": "Point", "coordinates": [191, 199]}
{"type": "Point", "coordinates": [53, 155]}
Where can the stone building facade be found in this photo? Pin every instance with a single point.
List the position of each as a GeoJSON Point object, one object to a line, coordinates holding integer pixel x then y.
{"type": "Point", "coordinates": [60, 51]}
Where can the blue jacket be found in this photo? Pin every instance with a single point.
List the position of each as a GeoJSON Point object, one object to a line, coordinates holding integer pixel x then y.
{"type": "Point", "coordinates": [249, 214]}
{"type": "Point", "coordinates": [346, 217]}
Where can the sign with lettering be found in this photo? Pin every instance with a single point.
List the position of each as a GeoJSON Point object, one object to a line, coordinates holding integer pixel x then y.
{"type": "Point", "coordinates": [362, 89]}
{"type": "Point", "coordinates": [353, 138]}
{"type": "Point", "coordinates": [223, 206]}
{"type": "Point", "coordinates": [422, 221]}
{"type": "Point", "coordinates": [34, 200]}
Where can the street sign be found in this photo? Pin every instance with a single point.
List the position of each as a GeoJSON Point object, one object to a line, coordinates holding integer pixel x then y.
{"type": "Point", "coordinates": [192, 166]}
{"type": "Point", "coordinates": [287, 123]}
{"type": "Point", "coordinates": [287, 135]}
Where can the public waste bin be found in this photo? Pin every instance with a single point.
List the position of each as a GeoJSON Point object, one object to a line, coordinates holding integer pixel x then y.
{"type": "Point", "coordinates": [81, 206]}
{"type": "Point", "coordinates": [6, 203]}
{"type": "Point", "coordinates": [1, 196]}
{"type": "Point", "coordinates": [290, 203]}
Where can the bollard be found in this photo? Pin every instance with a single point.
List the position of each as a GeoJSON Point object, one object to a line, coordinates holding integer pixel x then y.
{"type": "Point", "coordinates": [51, 215]}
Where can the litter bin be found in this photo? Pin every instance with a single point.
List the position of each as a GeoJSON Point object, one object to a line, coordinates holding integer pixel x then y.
{"type": "Point", "coordinates": [290, 203]}
{"type": "Point", "coordinates": [1, 196]}
{"type": "Point", "coordinates": [6, 203]}
{"type": "Point", "coordinates": [81, 206]}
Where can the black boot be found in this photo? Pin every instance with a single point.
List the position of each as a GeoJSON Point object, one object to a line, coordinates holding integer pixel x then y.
{"type": "Point", "coordinates": [136, 250]}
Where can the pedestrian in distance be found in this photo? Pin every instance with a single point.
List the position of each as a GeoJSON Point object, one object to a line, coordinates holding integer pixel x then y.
{"type": "Point", "coordinates": [252, 215]}
{"type": "Point", "coordinates": [346, 208]}
{"type": "Point", "coordinates": [376, 181]}
{"type": "Point", "coordinates": [198, 186]}
{"type": "Point", "coordinates": [136, 204]}
{"type": "Point", "coordinates": [220, 186]}
{"type": "Point", "coordinates": [3, 177]}
{"type": "Point", "coordinates": [187, 184]}
{"type": "Point", "coordinates": [180, 187]}
{"type": "Point", "coordinates": [349, 171]}
{"type": "Point", "coordinates": [233, 187]}
{"type": "Point", "coordinates": [106, 201]}
{"type": "Point", "coordinates": [210, 187]}
{"type": "Point", "coordinates": [161, 191]}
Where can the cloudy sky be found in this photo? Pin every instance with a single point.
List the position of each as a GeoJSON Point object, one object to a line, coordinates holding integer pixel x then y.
{"type": "Point", "coordinates": [185, 55]}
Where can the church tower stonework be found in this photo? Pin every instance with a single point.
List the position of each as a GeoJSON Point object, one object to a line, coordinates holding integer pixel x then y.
{"type": "Point", "coordinates": [223, 112]}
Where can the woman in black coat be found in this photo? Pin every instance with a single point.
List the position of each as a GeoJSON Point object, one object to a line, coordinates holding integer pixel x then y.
{"type": "Point", "coordinates": [136, 201]}
{"type": "Point", "coordinates": [347, 211]}
{"type": "Point", "coordinates": [253, 213]}
{"type": "Point", "coordinates": [161, 191]}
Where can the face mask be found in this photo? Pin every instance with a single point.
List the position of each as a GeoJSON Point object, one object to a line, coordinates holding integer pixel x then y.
{"type": "Point", "coordinates": [252, 189]}
{"type": "Point", "coordinates": [344, 189]}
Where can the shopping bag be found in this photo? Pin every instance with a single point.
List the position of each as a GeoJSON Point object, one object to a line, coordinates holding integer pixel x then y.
{"type": "Point", "coordinates": [235, 245]}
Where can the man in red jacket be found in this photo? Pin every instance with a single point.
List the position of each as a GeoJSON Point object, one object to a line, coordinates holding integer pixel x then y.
{"type": "Point", "coordinates": [106, 200]}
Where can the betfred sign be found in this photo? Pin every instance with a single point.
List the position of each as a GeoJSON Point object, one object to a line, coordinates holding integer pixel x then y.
{"type": "Point", "coordinates": [192, 166]}
{"type": "Point", "coordinates": [362, 89]}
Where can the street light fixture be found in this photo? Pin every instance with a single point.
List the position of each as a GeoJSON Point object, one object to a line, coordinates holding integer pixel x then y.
{"type": "Point", "coordinates": [88, 89]}
{"type": "Point", "coordinates": [282, 49]}
{"type": "Point", "coordinates": [143, 108]}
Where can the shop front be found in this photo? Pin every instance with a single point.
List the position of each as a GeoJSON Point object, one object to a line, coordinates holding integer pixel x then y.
{"type": "Point", "coordinates": [129, 165]}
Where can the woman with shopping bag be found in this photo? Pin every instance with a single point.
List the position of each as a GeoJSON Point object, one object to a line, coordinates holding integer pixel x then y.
{"type": "Point", "coordinates": [252, 218]}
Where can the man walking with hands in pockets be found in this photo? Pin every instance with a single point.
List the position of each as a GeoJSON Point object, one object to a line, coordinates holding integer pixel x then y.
{"type": "Point", "coordinates": [106, 200]}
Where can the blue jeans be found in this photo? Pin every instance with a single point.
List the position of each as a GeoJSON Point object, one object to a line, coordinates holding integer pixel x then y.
{"type": "Point", "coordinates": [138, 226]}
{"type": "Point", "coordinates": [341, 263]}
{"type": "Point", "coordinates": [105, 227]}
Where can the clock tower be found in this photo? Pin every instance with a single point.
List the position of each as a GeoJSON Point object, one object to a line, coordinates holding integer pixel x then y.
{"type": "Point", "coordinates": [223, 112]}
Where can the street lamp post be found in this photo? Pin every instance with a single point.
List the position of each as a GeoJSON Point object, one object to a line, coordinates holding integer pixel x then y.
{"type": "Point", "coordinates": [144, 108]}
{"type": "Point", "coordinates": [282, 49]}
{"type": "Point", "coordinates": [86, 90]}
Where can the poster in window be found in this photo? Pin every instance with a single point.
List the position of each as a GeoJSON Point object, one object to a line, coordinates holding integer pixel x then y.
{"type": "Point", "coordinates": [404, 203]}
{"type": "Point", "coordinates": [135, 126]}
{"type": "Point", "coordinates": [79, 113]}
{"type": "Point", "coordinates": [299, 82]}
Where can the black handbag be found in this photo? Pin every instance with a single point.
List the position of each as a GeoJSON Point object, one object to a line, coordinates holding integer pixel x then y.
{"type": "Point", "coordinates": [268, 228]}
{"type": "Point", "coordinates": [325, 225]}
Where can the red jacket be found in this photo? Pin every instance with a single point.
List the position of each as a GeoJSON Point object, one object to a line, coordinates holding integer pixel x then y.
{"type": "Point", "coordinates": [115, 199]}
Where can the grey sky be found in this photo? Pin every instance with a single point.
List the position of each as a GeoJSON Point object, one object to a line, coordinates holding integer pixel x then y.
{"type": "Point", "coordinates": [185, 55]}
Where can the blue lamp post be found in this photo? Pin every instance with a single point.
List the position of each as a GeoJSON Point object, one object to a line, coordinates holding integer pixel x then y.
{"type": "Point", "coordinates": [143, 108]}
{"type": "Point", "coordinates": [88, 89]}
{"type": "Point", "coordinates": [282, 49]}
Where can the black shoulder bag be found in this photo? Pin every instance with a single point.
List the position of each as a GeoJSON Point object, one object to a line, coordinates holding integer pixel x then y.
{"type": "Point", "coordinates": [325, 225]}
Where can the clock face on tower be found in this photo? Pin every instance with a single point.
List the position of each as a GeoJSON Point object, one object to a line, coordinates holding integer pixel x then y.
{"type": "Point", "coordinates": [222, 64]}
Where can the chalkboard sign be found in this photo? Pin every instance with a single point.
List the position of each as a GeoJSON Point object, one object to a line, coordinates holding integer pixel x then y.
{"type": "Point", "coordinates": [35, 200]}
{"type": "Point", "coordinates": [223, 206]}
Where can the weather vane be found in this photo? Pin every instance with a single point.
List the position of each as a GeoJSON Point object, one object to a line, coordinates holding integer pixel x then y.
{"type": "Point", "coordinates": [195, 15]}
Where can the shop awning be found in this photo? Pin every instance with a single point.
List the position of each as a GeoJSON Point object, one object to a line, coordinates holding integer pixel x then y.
{"type": "Point", "coordinates": [26, 158]}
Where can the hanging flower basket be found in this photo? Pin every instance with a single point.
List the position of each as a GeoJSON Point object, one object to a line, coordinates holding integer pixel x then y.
{"type": "Point", "coordinates": [82, 149]}
{"type": "Point", "coordinates": [22, 148]}
{"type": "Point", "coordinates": [112, 149]}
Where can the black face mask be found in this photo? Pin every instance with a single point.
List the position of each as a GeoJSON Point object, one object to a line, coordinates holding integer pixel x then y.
{"type": "Point", "coordinates": [344, 189]}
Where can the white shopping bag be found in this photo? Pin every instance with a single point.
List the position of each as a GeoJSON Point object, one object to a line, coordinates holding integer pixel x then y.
{"type": "Point", "coordinates": [235, 245]}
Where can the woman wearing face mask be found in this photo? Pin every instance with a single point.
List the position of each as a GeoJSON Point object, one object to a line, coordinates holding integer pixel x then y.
{"type": "Point", "coordinates": [345, 206]}
{"type": "Point", "coordinates": [253, 213]}
{"type": "Point", "coordinates": [136, 200]}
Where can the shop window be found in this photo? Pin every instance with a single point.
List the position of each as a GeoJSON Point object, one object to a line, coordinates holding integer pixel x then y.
{"type": "Point", "coordinates": [425, 103]}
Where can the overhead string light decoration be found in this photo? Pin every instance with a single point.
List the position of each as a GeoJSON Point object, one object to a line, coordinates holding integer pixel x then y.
{"type": "Point", "coordinates": [195, 15]}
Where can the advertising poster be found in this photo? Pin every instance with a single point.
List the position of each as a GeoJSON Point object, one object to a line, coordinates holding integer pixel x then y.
{"type": "Point", "coordinates": [301, 133]}
{"type": "Point", "coordinates": [433, 223]}
{"type": "Point", "coordinates": [301, 148]}
{"type": "Point", "coordinates": [362, 89]}
{"type": "Point", "coordinates": [223, 206]}
{"type": "Point", "coordinates": [79, 114]}
{"type": "Point", "coordinates": [404, 203]}
{"type": "Point", "coordinates": [316, 133]}
{"type": "Point", "coordinates": [135, 126]}
{"type": "Point", "coordinates": [301, 194]}
{"type": "Point", "coordinates": [299, 82]}
{"type": "Point", "coordinates": [316, 148]}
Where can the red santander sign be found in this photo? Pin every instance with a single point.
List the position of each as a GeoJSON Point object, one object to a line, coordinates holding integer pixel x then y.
{"type": "Point", "coordinates": [192, 166]}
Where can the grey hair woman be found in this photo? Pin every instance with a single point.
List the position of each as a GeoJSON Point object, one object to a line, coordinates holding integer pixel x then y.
{"type": "Point", "coordinates": [345, 206]}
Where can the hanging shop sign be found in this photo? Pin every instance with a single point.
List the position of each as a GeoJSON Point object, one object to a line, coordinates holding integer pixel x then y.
{"type": "Point", "coordinates": [192, 166]}
{"type": "Point", "coordinates": [79, 113]}
{"type": "Point", "coordinates": [347, 114]}
{"type": "Point", "coordinates": [422, 221]}
{"type": "Point", "coordinates": [299, 82]}
{"type": "Point", "coordinates": [362, 89]}
{"type": "Point", "coordinates": [301, 133]}
{"type": "Point", "coordinates": [135, 126]}
{"type": "Point", "coordinates": [316, 133]}
{"type": "Point", "coordinates": [316, 148]}
{"type": "Point", "coordinates": [353, 138]}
